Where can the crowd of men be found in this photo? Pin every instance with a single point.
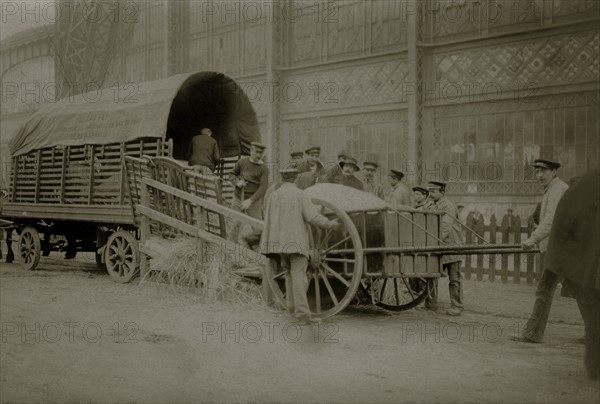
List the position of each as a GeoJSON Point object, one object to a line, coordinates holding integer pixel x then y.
{"type": "Point", "coordinates": [288, 208]}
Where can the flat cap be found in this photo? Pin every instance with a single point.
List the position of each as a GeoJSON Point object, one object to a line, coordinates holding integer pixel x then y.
{"type": "Point", "coordinates": [258, 145]}
{"type": "Point", "coordinates": [422, 190]}
{"type": "Point", "coordinates": [396, 174]}
{"type": "Point", "coordinates": [370, 163]}
{"type": "Point", "coordinates": [350, 160]}
{"type": "Point", "coordinates": [437, 185]}
{"type": "Point", "coordinates": [289, 170]}
{"type": "Point", "coordinates": [312, 149]}
{"type": "Point", "coordinates": [546, 164]}
{"type": "Point", "coordinates": [297, 153]}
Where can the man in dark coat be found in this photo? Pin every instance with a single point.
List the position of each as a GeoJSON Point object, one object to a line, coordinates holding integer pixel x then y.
{"type": "Point", "coordinates": [450, 233]}
{"type": "Point", "coordinates": [204, 152]}
{"type": "Point", "coordinates": [574, 254]}
{"type": "Point", "coordinates": [349, 167]}
{"type": "Point", "coordinates": [312, 171]}
{"type": "Point", "coordinates": [334, 172]}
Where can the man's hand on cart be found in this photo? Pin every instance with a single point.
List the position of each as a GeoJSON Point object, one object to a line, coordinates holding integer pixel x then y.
{"type": "Point", "coordinates": [246, 204]}
{"type": "Point", "coordinates": [528, 245]}
{"type": "Point", "coordinates": [335, 223]}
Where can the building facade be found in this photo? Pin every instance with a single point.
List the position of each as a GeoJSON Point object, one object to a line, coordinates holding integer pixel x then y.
{"type": "Point", "coordinates": [466, 91]}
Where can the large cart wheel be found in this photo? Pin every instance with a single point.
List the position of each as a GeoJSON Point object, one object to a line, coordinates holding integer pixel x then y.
{"type": "Point", "coordinates": [397, 294]}
{"type": "Point", "coordinates": [122, 256]}
{"type": "Point", "coordinates": [333, 277]}
{"type": "Point", "coordinates": [30, 248]}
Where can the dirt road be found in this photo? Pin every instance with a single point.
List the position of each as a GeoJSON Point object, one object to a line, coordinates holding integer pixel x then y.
{"type": "Point", "coordinates": [71, 334]}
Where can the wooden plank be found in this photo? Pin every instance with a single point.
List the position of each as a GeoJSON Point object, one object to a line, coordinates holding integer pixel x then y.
{"type": "Point", "coordinates": [117, 214]}
{"type": "Point", "coordinates": [38, 170]}
{"type": "Point", "coordinates": [517, 260]}
{"type": "Point", "coordinates": [64, 173]}
{"type": "Point", "coordinates": [194, 231]}
{"type": "Point", "coordinates": [391, 263]}
{"type": "Point", "coordinates": [235, 215]}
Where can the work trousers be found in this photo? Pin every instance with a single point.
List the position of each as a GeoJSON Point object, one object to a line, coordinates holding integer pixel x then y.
{"type": "Point", "coordinates": [454, 286]}
{"type": "Point", "coordinates": [296, 283]}
{"type": "Point", "coordinates": [536, 325]}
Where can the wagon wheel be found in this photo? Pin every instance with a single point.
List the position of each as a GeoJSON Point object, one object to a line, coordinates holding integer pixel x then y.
{"type": "Point", "coordinates": [30, 248]}
{"type": "Point", "coordinates": [121, 256]}
{"type": "Point", "coordinates": [397, 294]}
{"type": "Point", "coordinates": [333, 277]}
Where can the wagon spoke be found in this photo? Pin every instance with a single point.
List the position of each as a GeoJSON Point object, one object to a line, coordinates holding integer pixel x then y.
{"type": "Point", "coordinates": [328, 233]}
{"type": "Point", "coordinates": [408, 287]}
{"type": "Point", "coordinates": [342, 241]}
{"type": "Point", "coordinates": [328, 286]}
{"type": "Point", "coordinates": [279, 275]}
{"type": "Point", "coordinates": [317, 291]}
{"type": "Point", "coordinates": [338, 276]}
{"type": "Point", "coordinates": [339, 260]}
{"type": "Point", "coordinates": [396, 291]}
{"type": "Point", "coordinates": [382, 289]}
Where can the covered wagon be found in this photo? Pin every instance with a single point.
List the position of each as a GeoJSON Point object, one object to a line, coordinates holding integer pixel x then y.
{"type": "Point", "coordinates": [68, 174]}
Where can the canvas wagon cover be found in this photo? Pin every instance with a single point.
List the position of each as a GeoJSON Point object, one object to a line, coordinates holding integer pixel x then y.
{"type": "Point", "coordinates": [176, 107]}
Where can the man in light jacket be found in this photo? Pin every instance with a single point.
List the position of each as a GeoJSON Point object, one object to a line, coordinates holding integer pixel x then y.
{"type": "Point", "coordinates": [554, 188]}
{"type": "Point", "coordinates": [285, 238]}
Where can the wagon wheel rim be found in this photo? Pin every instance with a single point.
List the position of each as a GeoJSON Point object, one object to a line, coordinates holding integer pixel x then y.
{"type": "Point", "coordinates": [30, 248]}
{"type": "Point", "coordinates": [121, 256]}
{"type": "Point", "coordinates": [397, 294]}
{"type": "Point", "coordinates": [330, 288]}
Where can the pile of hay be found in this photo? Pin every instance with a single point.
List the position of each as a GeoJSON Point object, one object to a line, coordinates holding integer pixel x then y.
{"type": "Point", "coordinates": [180, 266]}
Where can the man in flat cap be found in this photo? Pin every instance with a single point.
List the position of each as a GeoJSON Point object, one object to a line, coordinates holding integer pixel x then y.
{"type": "Point", "coordinates": [371, 185]}
{"type": "Point", "coordinates": [285, 239]}
{"type": "Point", "coordinates": [250, 179]}
{"type": "Point", "coordinates": [312, 171]}
{"type": "Point", "coordinates": [554, 188]}
{"type": "Point", "coordinates": [334, 173]}
{"type": "Point", "coordinates": [450, 233]}
{"type": "Point", "coordinates": [399, 195]}
{"type": "Point", "coordinates": [204, 152]}
{"type": "Point", "coordinates": [297, 158]}
{"type": "Point", "coordinates": [349, 167]}
{"type": "Point", "coordinates": [421, 196]}
{"type": "Point", "coordinates": [313, 155]}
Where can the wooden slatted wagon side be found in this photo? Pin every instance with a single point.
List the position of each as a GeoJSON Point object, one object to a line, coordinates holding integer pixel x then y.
{"type": "Point", "coordinates": [68, 160]}
{"type": "Point", "coordinates": [381, 255]}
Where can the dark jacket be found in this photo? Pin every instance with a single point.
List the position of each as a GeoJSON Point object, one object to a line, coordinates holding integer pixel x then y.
{"type": "Point", "coordinates": [573, 250]}
{"type": "Point", "coordinates": [204, 151]}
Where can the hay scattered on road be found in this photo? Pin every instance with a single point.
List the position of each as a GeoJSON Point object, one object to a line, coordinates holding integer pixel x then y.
{"type": "Point", "coordinates": [181, 267]}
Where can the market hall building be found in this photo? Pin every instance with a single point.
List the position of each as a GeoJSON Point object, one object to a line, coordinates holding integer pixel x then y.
{"type": "Point", "coordinates": [470, 92]}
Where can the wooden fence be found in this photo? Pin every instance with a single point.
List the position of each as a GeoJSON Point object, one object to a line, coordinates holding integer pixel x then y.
{"type": "Point", "coordinates": [510, 230]}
